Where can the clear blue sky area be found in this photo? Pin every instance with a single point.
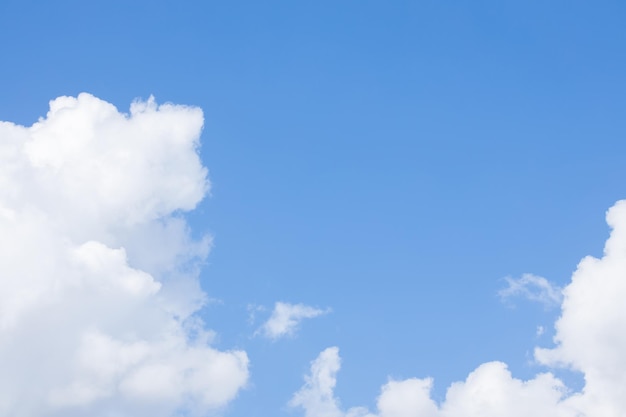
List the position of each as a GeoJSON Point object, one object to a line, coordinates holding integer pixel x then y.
{"type": "Point", "coordinates": [391, 160]}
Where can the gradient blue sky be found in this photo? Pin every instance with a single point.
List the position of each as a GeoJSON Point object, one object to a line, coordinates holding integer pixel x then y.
{"type": "Point", "coordinates": [393, 161]}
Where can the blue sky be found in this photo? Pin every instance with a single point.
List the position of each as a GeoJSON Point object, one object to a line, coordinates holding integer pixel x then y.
{"type": "Point", "coordinates": [390, 161]}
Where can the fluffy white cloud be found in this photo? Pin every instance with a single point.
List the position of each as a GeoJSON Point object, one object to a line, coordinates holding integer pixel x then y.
{"type": "Point", "coordinates": [589, 338]}
{"type": "Point", "coordinates": [533, 288]}
{"type": "Point", "coordinates": [316, 397]}
{"type": "Point", "coordinates": [285, 319]}
{"type": "Point", "coordinates": [98, 273]}
{"type": "Point", "coordinates": [489, 391]}
{"type": "Point", "coordinates": [590, 334]}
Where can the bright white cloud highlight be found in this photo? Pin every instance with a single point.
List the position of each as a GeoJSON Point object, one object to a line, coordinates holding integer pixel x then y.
{"type": "Point", "coordinates": [316, 396]}
{"type": "Point", "coordinates": [99, 273]}
{"type": "Point", "coordinates": [589, 338]}
{"type": "Point", "coordinates": [533, 288]}
{"type": "Point", "coordinates": [489, 391]}
{"type": "Point", "coordinates": [285, 319]}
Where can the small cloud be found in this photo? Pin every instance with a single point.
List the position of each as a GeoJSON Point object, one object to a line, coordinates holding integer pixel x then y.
{"type": "Point", "coordinates": [540, 330]}
{"type": "Point", "coordinates": [285, 319]}
{"type": "Point", "coordinates": [410, 397]}
{"type": "Point", "coordinates": [316, 397]}
{"type": "Point", "coordinates": [533, 288]}
{"type": "Point", "coordinates": [253, 309]}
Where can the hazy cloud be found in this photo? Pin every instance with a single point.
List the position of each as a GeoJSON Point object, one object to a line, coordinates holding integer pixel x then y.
{"type": "Point", "coordinates": [533, 288]}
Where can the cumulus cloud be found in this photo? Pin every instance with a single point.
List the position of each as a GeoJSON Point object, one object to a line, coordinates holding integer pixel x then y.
{"type": "Point", "coordinates": [99, 273]}
{"type": "Point", "coordinates": [489, 391]}
{"type": "Point", "coordinates": [285, 319]}
{"type": "Point", "coordinates": [533, 288]}
{"type": "Point", "coordinates": [590, 335]}
{"type": "Point", "coordinates": [589, 338]}
{"type": "Point", "coordinates": [316, 397]}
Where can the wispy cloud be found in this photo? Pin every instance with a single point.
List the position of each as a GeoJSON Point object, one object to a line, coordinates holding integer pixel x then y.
{"type": "Point", "coordinates": [286, 318]}
{"type": "Point", "coordinates": [533, 288]}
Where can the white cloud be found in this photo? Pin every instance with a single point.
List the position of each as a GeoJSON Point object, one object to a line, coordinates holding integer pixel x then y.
{"type": "Point", "coordinates": [316, 397]}
{"type": "Point", "coordinates": [407, 398]}
{"type": "Point", "coordinates": [533, 288]}
{"type": "Point", "coordinates": [99, 274]}
{"type": "Point", "coordinates": [489, 391]}
{"type": "Point", "coordinates": [285, 319]}
{"type": "Point", "coordinates": [590, 334]}
{"type": "Point", "coordinates": [253, 310]}
{"type": "Point", "coordinates": [540, 331]}
{"type": "Point", "coordinates": [589, 338]}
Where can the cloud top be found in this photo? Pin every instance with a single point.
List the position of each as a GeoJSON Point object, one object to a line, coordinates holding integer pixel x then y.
{"type": "Point", "coordinates": [99, 274]}
{"type": "Point", "coordinates": [316, 397]}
